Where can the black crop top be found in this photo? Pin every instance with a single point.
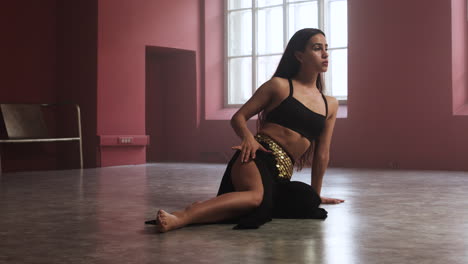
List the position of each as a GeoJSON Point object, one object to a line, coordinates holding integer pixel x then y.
{"type": "Point", "coordinates": [292, 114]}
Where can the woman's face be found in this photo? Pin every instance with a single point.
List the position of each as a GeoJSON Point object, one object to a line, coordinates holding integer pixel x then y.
{"type": "Point", "coordinates": [315, 55]}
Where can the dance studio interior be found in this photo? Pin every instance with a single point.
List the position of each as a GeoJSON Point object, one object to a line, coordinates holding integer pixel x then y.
{"type": "Point", "coordinates": [128, 106]}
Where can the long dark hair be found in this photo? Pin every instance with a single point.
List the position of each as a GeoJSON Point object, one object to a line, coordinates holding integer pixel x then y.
{"type": "Point", "coordinates": [288, 67]}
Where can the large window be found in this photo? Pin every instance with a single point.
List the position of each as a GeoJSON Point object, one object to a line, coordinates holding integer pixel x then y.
{"type": "Point", "coordinates": [258, 31]}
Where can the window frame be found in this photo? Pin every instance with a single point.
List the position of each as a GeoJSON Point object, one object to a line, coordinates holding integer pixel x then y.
{"type": "Point", "coordinates": [322, 6]}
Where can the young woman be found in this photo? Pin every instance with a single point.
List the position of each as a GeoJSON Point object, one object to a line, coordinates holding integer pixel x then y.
{"type": "Point", "coordinates": [295, 124]}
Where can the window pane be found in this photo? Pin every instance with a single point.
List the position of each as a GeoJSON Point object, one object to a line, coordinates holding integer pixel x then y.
{"type": "Point", "coordinates": [338, 85]}
{"type": "Point", "coordinates": [240, 33]}
{"type": "Point", "coordinates": [266, 66]}
{"type": "Point", "coordinates": [303, 15]}
{"type": "Point", "coordinates": [261, 3]}
{"type": "Point", "coordinates": [270, 30]}
{"type": "Point", "coordinates": [235, 4]}
{"type": "Point", "coordinates": [240, 80]}
{"type": "Point", "coordinates": [338, 18]}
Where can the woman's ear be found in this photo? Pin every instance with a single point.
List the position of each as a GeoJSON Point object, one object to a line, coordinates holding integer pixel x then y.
{"type": "Point", "coordinates": [298, 55]}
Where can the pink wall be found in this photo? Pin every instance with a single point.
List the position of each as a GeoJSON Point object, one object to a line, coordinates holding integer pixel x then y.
{"type": "Point", "coordinates": [28, 67]}
{"type": "Point", "coordinates": [400, 89]}
{"type": "Point", "coordinates": [399, 111]}
{"type": "Point", "coordinates": [49, 54]}
{"type": "Point", "coordinates": [125, 28]}
{"type": "Point", "coordinates": [77, 71]}
{"type": "Point", "coordinates": [401, 79]}
{"type": "Point", "coordinates": [28, 58]}
{"type": "Point", "coordinates": [460, 57]}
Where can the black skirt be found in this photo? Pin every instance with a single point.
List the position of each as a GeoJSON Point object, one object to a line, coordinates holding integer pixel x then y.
{"type": "Point", "coordinates": [282, 198]}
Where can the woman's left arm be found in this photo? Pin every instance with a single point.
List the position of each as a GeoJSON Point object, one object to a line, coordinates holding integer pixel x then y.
{"type": "Point", "coordinates": [322, 152]}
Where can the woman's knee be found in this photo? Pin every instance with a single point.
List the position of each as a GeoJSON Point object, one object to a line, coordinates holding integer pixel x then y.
{"type": "Point", "coordinates": [256, 198]}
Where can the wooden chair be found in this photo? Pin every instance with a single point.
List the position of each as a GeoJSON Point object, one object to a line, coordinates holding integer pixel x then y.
{"type": "Point", "coordinates": [24, 123]}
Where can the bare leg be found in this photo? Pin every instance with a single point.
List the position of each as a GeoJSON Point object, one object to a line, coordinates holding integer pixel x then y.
{"type": "Point", "coordinates": [248, 195]}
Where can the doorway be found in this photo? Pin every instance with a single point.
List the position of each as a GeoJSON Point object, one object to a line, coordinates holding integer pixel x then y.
{"type": "Point", "coordinates": [171, 104]}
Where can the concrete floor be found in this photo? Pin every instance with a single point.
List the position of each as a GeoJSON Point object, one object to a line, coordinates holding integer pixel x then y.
{"type": "Point", "coordinates": [97, 215]}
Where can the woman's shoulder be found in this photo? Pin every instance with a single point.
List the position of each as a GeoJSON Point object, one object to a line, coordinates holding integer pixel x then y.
{"type": "Point", "coordinates": [277, 85]}
{"type": "Point", "coordinates": [331, 99]}
{"type": "Point", "coordinates": [332, 103]}
{"type": "Point", "coordinates": [278, 81]}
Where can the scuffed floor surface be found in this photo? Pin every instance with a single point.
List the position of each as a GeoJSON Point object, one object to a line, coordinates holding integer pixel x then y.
{"type": "Point", "coordinates": [97, 215]}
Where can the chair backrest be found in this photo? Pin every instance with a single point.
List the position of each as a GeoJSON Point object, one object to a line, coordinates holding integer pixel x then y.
{"type": "Point", "coordinates": [24, 121]}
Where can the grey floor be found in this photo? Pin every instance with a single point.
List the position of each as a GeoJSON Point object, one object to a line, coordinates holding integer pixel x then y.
{"type": "Point", "coordinates": [97, 215]}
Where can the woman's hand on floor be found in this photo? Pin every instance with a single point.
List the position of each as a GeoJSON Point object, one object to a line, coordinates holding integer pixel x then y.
{"type": "Point", "coordinates": [326, 200]}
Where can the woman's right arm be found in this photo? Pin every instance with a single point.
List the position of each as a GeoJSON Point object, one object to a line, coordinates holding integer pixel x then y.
{"type": "Point", "coordinates": [259, 101]}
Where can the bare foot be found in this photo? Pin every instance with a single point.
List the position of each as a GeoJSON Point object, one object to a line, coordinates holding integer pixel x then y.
{"type": "Point", "coordinates": [167, 222]}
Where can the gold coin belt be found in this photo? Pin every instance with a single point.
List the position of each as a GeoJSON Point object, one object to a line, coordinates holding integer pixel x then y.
{"type": "Point", "coordinates": [283, 161]}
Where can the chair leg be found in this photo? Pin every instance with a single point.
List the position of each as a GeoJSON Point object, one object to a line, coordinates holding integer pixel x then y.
{"type": "Point", "coordinates": [81, 155]}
